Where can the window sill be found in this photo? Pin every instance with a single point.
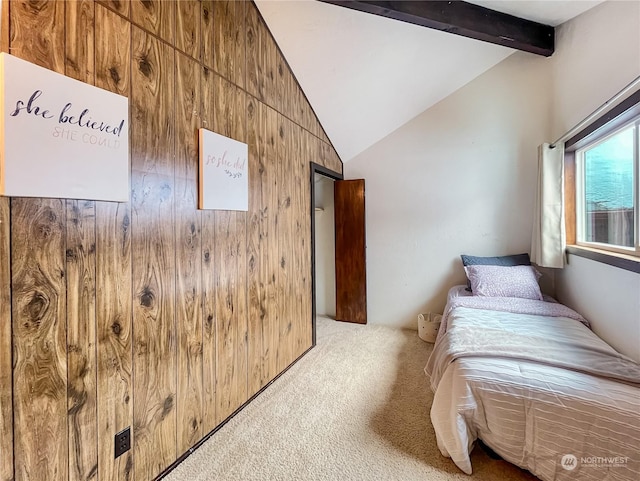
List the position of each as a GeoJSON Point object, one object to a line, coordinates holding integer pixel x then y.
{"type": "Point", "coordinates": [622, 261]}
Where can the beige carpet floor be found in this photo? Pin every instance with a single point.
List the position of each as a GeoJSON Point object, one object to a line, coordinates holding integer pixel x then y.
{"type": "Point", "coordinates": [356, 407]}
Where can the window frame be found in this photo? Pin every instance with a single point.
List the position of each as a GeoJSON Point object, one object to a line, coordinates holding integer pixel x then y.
{"type": "Point", "coordinates": [634, 123]}
{"type": "Point", "coordinates": [609, 122]}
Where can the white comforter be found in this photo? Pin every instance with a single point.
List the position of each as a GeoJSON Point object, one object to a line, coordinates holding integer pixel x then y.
{"type": "Point", "coordinates": [533, 414]}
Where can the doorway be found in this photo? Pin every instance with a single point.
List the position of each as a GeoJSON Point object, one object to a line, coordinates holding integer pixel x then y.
{"type": "Point", "coordinates": [349, 303]}
{"type": "Point", "coordinates": [322, 243]}
{"type": "Point", "coordinates": [325, 247]}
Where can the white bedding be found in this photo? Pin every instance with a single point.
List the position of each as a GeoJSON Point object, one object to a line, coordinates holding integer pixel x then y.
{"type": "Point", "coordinates": [533, 415]}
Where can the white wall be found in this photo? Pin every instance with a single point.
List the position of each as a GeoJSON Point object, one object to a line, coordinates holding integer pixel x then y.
{"type": "Point", "coordinates": [598, 54]}
{"type": "Point", "coordinates": [460, 178]}
{"type": "Point", "coordinates": [325, 248]}
{"type": "Point", "coordinates": [608, 297]}
{"type": "Point", "coordinates": [457, 179]}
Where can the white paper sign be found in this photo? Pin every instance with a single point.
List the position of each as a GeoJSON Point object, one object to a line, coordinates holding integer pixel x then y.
{"type": "Point", "coordinates": [61, 137]}
{"type": "Point", "coordinates": [224, 172]}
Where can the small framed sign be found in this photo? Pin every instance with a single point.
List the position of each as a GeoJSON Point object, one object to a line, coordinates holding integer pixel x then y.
{"type": "Point", "coordinates": [60, 137]}
{"type": "Point", "coordinates": [224, 172]}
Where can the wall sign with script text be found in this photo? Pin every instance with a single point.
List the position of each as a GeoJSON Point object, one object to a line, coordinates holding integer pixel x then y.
{"type": "Point", "coordinates": [61, 137]}
{"type": "Point", "coordinates": [224, 173]}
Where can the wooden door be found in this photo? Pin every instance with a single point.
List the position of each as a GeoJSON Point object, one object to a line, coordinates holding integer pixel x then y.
{"type": "Point", "coordinates": [351, 278]}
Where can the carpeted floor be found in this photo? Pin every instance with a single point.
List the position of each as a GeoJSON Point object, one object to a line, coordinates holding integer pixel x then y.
{"type": "Point", "coordinates": [356, 407]}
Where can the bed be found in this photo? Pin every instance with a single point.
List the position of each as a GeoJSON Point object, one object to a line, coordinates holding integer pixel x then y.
{"type": "Point", "coordinates": [537, 386]}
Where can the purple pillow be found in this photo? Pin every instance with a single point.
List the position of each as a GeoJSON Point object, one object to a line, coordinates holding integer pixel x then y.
{"type": "Point", "coordinates": [510, 260]}
{"type": "Point", "coordinates": [501, 281]}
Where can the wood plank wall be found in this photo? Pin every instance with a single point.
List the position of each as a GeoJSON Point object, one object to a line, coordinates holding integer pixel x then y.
{"type": "Point", "coordinates": [153, 314]}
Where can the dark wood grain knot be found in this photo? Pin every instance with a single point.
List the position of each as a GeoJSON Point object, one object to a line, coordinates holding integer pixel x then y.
{"type": "Point", "coordinates": [44, 230]}
{"type": "Point", "coordinates": [273, 278]}
{"type": "Point", "coordinates": [71, 255]}
{"type": "Point", "coordinates": [194, 424]}
{"type": "Point", "coordinates": [282, 262]}
{"type": "Point", "coordinates": [192, 229]}
{"type": "Point", "coordinates": [79, 399]}
{"type": "Point", "coordinates": [165, 192]}
{"type": "Point", "coordinates": [142, 348]}
{"type": "Point", "coordinates": [281, 132]}
{"type": "Point", "coordinates": [75, 210]}
{"type": "Point", "coordinates": [195, 349]}
{"type": "Point", "coordinates": [72, 64]}
{"type": "Point", "coordinates": [37, 307]}
{"type": "Point", "coordinates": [116, 328]}
{"type": "Point", "coordinates": [127, 399]}
{"type": "Point", "coordinates": [207, 256]}
{"type": "Point", "coordinates": [115, 75]}
{"type": "Point", "coordinates": [287, 202]}
{"type": "Point", "coordinates": [51, 216]}
{"type": "Point", "coordinates": [144, 66]}
{"type": "Point", "coordinates": [280, 70]}
{"type": "Point", "coordinates": [209, 321]}
{"type": "Point", "coordinates": [167, 406]}
{"type": "Point", "coordinates": [126, 222]}
{"type": "Point", "coordinates": [92, 248]}
{"type": "Point", "coordinates": [147, 297]}
{"type": "Point", "coordinates": [252, 263]}
{"type": "Point", "coordinates": [205, 14]}
{"type": "Point", "coordinates": [148, 4]}
{"type": "Point", "coordinates": [93, 473]}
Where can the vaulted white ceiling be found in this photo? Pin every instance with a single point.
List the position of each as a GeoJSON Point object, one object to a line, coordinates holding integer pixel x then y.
{"type": "Point", "coordinates": [366, 75]}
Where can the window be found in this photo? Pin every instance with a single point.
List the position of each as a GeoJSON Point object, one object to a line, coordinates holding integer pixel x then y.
{"type": "Point", "coordinates": [602, 191]}
{"type": "Point", "coordinates": [607, 190]}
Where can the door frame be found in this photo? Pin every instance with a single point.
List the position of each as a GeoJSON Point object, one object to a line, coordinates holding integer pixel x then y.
{"type": "Point", "coordinates": [322, 170]}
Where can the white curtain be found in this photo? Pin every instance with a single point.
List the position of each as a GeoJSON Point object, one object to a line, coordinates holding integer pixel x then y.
{"type": "Point", "coordinates": [549, 238]}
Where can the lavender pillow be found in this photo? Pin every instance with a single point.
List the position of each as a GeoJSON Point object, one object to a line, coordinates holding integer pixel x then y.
{"type": "Point", "coordinates": [510, 260]}
{"type": "Point", "coordinates": [501, 281]}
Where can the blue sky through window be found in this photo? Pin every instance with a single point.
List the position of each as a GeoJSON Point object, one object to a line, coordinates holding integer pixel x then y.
{"type": "Point", "coordinates": [609, 173]}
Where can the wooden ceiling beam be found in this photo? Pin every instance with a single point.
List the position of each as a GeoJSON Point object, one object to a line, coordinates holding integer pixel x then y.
{"type": "Point", "coordinates": [463, 18]}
